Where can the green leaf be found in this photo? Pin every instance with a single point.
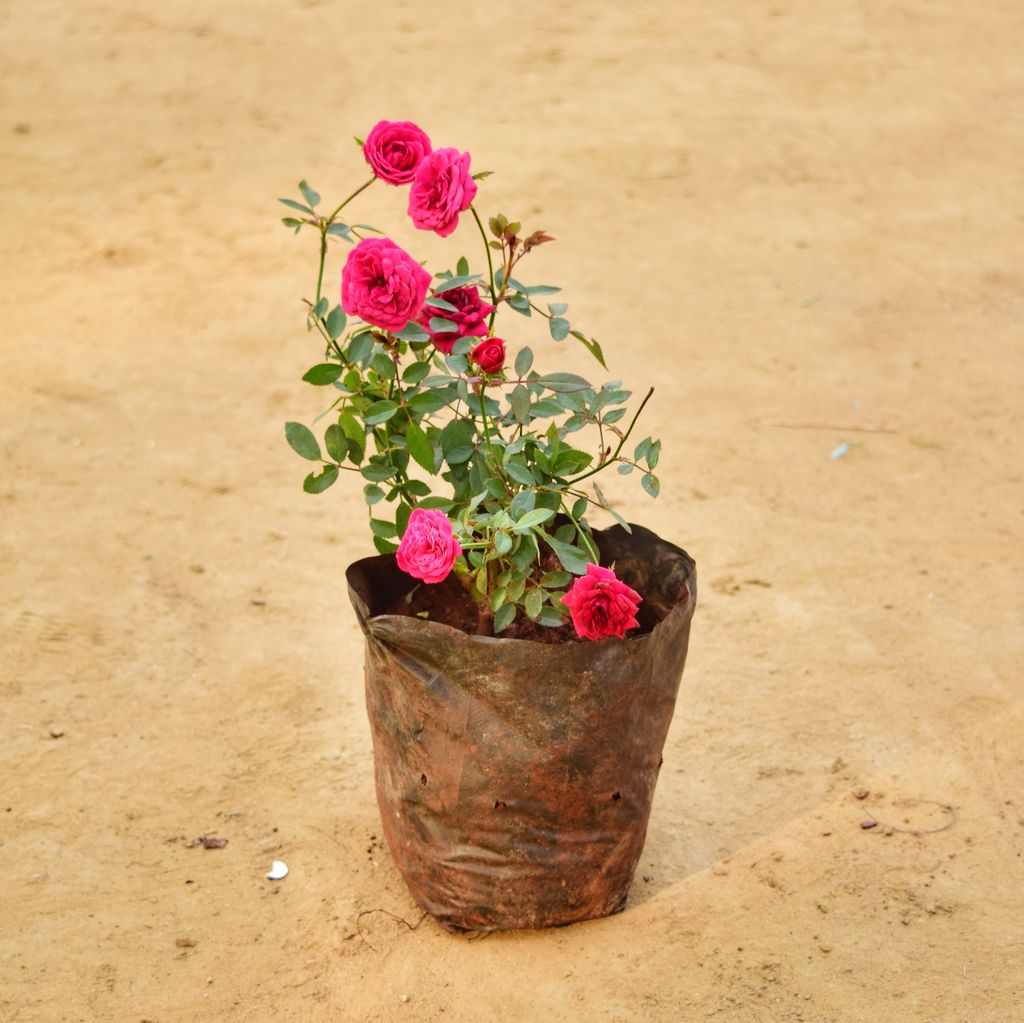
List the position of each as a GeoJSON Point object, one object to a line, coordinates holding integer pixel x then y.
{"type": "Point", "coordinates": [439, 325]}
{"type": "Point", "coordinates": [354, 433]}
{"type": "Point", "coordinates": [372, 494]}
{"type": "Point", "coordinates": [651, 484]}
{"type": "Point", "coordinates": [523, 502]}
{"type": "Point", "coordinates": [385, 546]}
{"type": "Point", "coordinates": [524, 360]}
{"type": "Point", "coordinates": [641, 449]}
{"type": "Point", "coordinates": [439, 303]}
{"type": "Point", "coordinates": [545, 407]}
{"type": "Point", "coordinates": [359, 349]}
{"type": "Point", "coordinates": [579, 509]}
{"type": "Point", "coordinates": [504, 617]}
{"type": "Point", "coordinates": [292, 222]}
{"type": "Point", "coordinates": [441, 503]}
{"type": "Point", "coordinates": [502, 542]}
{"type": "Point", "coordinates": [380, 412]}
{"type": "Point", "coordinates": [572, 558]}
{"type": "Point", "coordinates": [402, 517]}
{"type": "Point", "coordinates": [521, 304]}
{"type": "Point", "coordinates": [555, 580]}
{"type": "Point", "coordinates": [613, 417]}
{"type": "Point", "coordinates": [310, 196]}
{"type": "Point", "coordinates": [296, 205]}
{"type": "Point", "coordinates": [457, 441]}
{"type": "Point", "coordinates": [377, 473]}
{"type": "Point", "coordinates": [302, 441]}
{"type": "Point", "coordinates": [534, 602]}
{"type": "Point", "coordinates": [498, 598]}
{"type": "Point", "coordinates": [415, 372]}
{"type": "Point", "coordinates": [462, 266]}
{"type": "Point", "coordinates": [559, 328]}
{"type": "Point", "coordinates": [459, 456]}
{"type": "Point", "coordinates": [603, 501]}
{"type": "Point", "coordinates": [456, 282]}
{"type": "Point", "coordinates": [570, 461]}
{"type": "Point", "coordinates": [381, 527]}
{"type": "Point", "coordinates": [342, 231]}
{"type": "Point", "coordinates": [591, 346]}
{"type": "Point", "coordinates": [335, 442]}
{"type": "Point", "coordinates": [563, 382]}
{"type": "Point", "coordinates": [551, 618]}
{"type": "Point", "coordinates": [323, 373]}
{"type": "Point", "coordinates": [519, 400]}
{"type": "Point", "coordinates": [320, 310]}
{"type": "Point", "coordinates": [412, 331]}
{"type": "Point", "coordinates": [420, 447]}
{"type": "Point", "coordinates": [525, 554]}
{"type": "Point", "coordinates": [433, 400]}
{"type": "Point", "coordinates": [653, 453]}
{"type": "Point", "coordinates": [520, 474]}
{"type": "Point", "coordinates": [533, 518]}
{"type": "Point", "coordinates": [625, 470]}
{"type": "Point", "coordinates": [336, 321]}
{"type": "Point", "coordinates": [383, 365]}
{"type": "Point", "coordinates": [314, 484]}
{"type": "Point", "coordinates": [557, 308]}
{"type": "Point", "coordinates": [541, 289]}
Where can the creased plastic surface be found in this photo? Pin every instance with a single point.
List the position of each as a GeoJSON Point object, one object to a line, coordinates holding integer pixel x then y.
{"type": "Point", "coordinates": [515, 778]}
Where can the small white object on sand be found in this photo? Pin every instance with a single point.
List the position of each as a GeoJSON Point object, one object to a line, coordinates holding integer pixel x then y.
{"type": "Point", "coordinates": [278, 869]}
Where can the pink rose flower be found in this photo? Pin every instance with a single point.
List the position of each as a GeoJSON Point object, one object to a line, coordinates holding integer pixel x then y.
{"type": "Point", "coordinates": [470, 317]}
{"type": "Point", "coordinates": [394, 149]}
{"type": "Point", "coordinates": [602, 605]}
{"type": "Point", "coordinates": [441, 190]}
{"type": "Point", "coordinates": [382, 284]}
{"type": "Point", "coordinates": [428, 549]}
{"type": "Point", "coordinates": [489, 355]}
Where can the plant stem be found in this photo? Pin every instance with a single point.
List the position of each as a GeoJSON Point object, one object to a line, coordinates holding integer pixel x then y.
{"type": "Point", "coordinates": [622, 443]}
{"type": "Point", "coordinates": [361, 188]}
{"type": "Point", "coordinates": [324, 224]}
{"type": "Point", "coordinates": [487, 439]}
{"type": "Point", "coordinates": [490, 267]}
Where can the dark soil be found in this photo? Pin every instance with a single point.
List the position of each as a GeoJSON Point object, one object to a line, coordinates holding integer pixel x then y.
{"type": "Point", "coordinates": [447, 602]}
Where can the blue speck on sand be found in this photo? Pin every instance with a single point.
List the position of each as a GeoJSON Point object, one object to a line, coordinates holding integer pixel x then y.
{"type": "Point", "coordinates": [840, 451]}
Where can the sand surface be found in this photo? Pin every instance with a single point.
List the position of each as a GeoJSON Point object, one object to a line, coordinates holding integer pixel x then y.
{"type": "Point", "coordinates": [809, 210]}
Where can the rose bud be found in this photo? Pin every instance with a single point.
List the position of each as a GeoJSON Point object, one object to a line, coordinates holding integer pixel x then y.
{"type": "Point", "coordinates": [428, 548]}
{"type": "Point", "coordinates": [489, 355]}
{"type": "Point", "coordinates": [602, 605]}
{"type": "Point", "coordinates": [394, 149]}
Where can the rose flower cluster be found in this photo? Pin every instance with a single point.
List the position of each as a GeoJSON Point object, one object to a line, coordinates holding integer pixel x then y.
{"type": "Point", "coordinates": [388, 289]}
{"type": "Point", "coordinates": [384, 286]}
{"type": "Point", "coordinates": [381, 283]}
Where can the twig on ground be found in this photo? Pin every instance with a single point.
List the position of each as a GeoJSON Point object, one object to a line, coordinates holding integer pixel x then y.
{"type": "Point", "coordinates": [399, 919]}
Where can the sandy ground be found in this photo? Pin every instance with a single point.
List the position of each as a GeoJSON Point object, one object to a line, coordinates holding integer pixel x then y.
{"type": "Point", "coordinates": [809, 210]}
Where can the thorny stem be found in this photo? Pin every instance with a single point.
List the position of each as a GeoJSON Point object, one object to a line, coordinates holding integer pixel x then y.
{"type": "Point", "coordinates": [487, 440]}
{"type": "Point", "coordinates": [622, 443]}
{"type": "Point", "coordinates": [324, 224]}
{"type": "Point", "coordinates": [361, 188]}
{"type": "Point", "coordinates": [490, 267]}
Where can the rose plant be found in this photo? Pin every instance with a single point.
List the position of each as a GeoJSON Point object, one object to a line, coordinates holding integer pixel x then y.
{"type": "Point", "coordinates": [485, 462]}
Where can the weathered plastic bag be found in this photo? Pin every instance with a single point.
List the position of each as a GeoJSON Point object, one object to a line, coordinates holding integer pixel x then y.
{"type": "Point", "coordinates": [515, 778]}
